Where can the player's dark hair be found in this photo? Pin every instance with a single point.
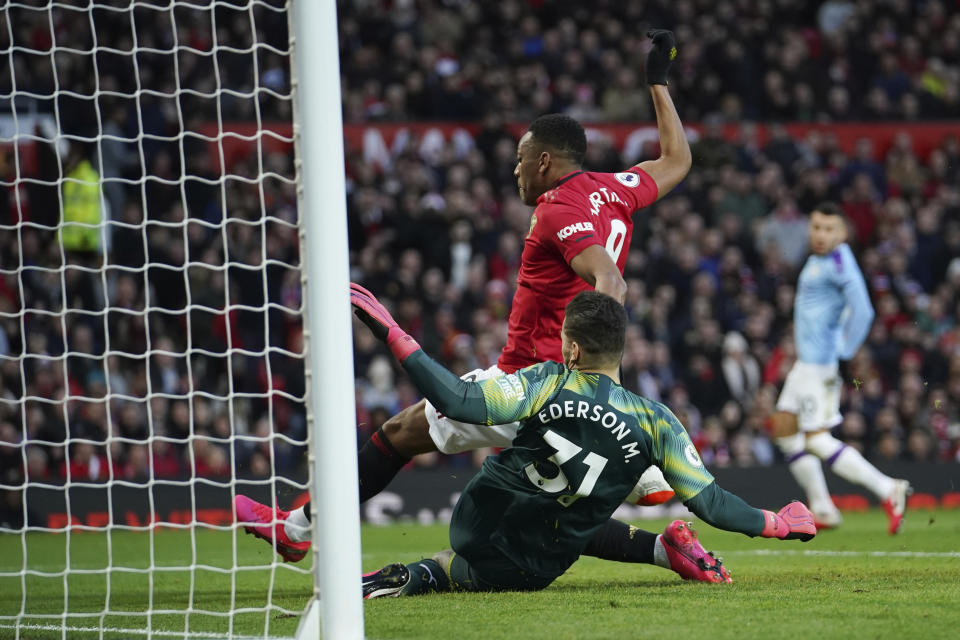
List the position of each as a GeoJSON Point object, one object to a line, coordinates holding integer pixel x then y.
{"type": "Point", "coordinates": [829, 209]}
{"type": "Point", "coordinates": [597, 323]}
{"type": "Point", "coordinates": [561, 134]}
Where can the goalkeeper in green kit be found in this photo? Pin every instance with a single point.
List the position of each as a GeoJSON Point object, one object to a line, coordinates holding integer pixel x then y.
{"type": "Point", "coordinates": [583, 442]}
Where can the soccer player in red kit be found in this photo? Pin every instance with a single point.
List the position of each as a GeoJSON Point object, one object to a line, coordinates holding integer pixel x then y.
{"type": "Point", "coordinates": [579, 237]}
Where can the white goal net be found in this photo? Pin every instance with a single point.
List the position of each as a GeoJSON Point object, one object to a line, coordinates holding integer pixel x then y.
{"type": "Point", "coordinates": [151, 350]}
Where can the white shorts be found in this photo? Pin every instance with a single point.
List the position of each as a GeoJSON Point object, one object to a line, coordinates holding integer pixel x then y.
{"type": "Point", "coordinates": [812, 393]}
{"type": "Point", "coordinates": [451, 436]}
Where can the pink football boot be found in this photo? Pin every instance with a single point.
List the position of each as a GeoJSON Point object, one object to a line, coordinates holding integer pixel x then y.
{"type": "Point", "coordinates": [267, 525]}
{"type": "Point", "coordinates": [688, 558]}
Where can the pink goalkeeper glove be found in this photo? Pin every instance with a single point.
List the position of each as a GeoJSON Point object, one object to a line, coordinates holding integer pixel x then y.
{"type": "Point", "coordinates": [381, 323]}
{"type": "Point", "coordinates": [793, 522]}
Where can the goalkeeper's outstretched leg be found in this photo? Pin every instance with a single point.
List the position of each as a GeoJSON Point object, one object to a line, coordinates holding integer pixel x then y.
{"type": "Point", "coordinates": [677, 549]}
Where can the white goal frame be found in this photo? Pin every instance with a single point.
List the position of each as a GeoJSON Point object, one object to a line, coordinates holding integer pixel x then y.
{"type": "Point", "coordinates": [336, 531]}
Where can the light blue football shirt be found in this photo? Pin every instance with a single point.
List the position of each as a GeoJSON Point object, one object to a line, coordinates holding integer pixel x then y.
{"type": "Point", "coordinates": [832, 312]}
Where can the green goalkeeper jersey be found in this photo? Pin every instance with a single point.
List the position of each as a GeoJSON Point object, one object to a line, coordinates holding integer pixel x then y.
{"type": "Point", "coordinates": [582, 445]}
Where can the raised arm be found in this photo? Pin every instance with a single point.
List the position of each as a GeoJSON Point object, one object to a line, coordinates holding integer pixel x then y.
{"type": "Point", "coordinates": [500, 400]}
{"type": "Point", "coordinates": [451, 396]}
{"type": "Point", "coordinates": [675, 158]}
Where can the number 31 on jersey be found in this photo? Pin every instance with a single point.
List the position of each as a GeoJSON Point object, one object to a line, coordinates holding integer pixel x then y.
{"type": "Point", "coordinates": [566, 451]}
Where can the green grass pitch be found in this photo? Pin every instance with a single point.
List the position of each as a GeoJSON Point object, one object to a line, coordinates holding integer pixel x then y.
{"type": "Point", "coordinates": [855, 582]}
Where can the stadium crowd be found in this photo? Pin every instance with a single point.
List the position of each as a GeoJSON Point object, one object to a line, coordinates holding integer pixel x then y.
{"type": "Point", "coordinates": [436, 227]}
{"type": "Point", "coordinates": [769, 60]}
{"type": "Point", "coordinates": [711, 281]}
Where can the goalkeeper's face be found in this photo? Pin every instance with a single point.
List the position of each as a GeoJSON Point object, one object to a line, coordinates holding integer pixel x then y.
{"type": "Point", "coordinates": [530, 170]}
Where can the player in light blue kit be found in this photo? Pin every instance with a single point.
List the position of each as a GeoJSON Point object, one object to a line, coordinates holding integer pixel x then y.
{"type": "Point", "coordinates": [831, 317]}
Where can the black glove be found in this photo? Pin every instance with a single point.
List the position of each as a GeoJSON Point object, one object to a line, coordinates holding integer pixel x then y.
{"type": "Point", "coordinates": [661, 55]}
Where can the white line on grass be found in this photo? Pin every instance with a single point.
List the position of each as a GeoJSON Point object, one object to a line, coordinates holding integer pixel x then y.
{"type": "Point", "coordinates": [824, 552]}
{"type": "Point", "coordinates": [135, 632]}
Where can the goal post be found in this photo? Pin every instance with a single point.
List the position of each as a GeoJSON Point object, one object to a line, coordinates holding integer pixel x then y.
{"type": "Point", "coordinates": [319, 137]}
{"type": "Point", "coordinates": [174, 320]}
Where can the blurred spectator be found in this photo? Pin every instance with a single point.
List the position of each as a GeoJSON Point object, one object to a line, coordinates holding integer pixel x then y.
{"type": "Point", "coordinates": [87, 463]}
{"type": "Point", "coordinates": [741, 372]}
{"type": "Point", "coordinates": [784, 233]}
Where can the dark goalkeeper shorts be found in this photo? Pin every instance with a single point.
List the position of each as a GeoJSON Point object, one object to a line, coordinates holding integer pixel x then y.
{"type": "Point", "coordinates": [492, 572]}
{"type": "Point", "coordinates": [479, 565]}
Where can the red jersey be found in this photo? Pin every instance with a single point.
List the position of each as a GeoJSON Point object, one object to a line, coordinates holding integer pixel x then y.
{"type": "Point", "coordinates": [583, 209]}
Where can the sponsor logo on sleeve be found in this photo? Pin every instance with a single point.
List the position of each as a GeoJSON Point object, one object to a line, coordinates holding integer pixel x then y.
{"type": "Point", "coordinates": [627, 179]}
{"type": "Point", "coordinates": [576, 227]}
{"type": "Point", "coordinates": [511, 386]}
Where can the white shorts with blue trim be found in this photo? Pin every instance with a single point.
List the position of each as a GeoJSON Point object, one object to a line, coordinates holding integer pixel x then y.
{"type": "Point", "coordinates": [812, 393]}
